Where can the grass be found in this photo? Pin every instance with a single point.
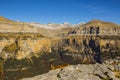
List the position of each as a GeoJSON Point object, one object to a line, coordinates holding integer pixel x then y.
{"type": "Point", "coordinates": [117, 74]}
{"type": "Point", "coordinates": [21, 35]}
{"type": "Point", "coordinates": [58, 66]}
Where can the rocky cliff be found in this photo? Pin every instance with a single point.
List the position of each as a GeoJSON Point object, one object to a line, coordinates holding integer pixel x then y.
{"type": "Point", "coordinates": [97, 27]}
{"type": "Point", "coordinates": [24, 47]}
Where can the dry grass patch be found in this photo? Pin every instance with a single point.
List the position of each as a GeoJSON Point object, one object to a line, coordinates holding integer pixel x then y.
{"type": "Point", "coordinates": [117, 74]}
{"type": "Point", "coordinates": [58, 66]}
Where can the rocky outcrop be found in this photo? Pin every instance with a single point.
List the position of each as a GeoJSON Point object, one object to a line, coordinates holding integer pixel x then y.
{"type": "Point", "coordinates": [78, 72]}
{"type": "Point", "coordinates": [22, 48]}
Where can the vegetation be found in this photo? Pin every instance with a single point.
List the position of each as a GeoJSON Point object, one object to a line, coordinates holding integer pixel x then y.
{"type": "Point", "coordinates": [20, 35]}
{"type": "Point", "coordinates": [117, 74]}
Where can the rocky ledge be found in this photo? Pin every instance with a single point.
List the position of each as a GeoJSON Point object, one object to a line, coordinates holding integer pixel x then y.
{"type": "Point", "coordinates": [80, 72]}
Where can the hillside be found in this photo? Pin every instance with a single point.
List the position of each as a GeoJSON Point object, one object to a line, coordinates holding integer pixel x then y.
{"type": "Point", "coordinates": [100, 23]}
{"type": "Point", "coordinates": [50, 30]}
{"type": "Point", "coordinates": [3, 19]}
{"type": "Point", "coordinates": [109, 26]}
{"type": "Point", "coordinates": [7, 25]}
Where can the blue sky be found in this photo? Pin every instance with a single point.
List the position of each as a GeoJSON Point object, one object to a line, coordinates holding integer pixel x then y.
{"type": "Point", "coordinates": [59, 11]}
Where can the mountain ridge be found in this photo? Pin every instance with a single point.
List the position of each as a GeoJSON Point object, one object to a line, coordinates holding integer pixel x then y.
{"type": "Point", "coordinates": [52, 30]}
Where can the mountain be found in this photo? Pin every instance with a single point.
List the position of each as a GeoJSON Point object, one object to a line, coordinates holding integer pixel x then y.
{"type": "Point", "coordinates": [7, 25]}
{"type": "Point", "coordinates": [95, 23]}
{"type": "Point", "coordinates": [3, 19]}
{"type": "Point", "coordinates": [50, 30]}
{"type": "Point", "coordinates": [53, 30]}
{"type": "Point", "coordinates": [100, 23]}
{"type": "Point", "coordinates": [50, 25]}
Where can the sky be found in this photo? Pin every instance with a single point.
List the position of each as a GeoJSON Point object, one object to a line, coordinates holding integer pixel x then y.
{"type": "Point", "coordinates": [59, 11]}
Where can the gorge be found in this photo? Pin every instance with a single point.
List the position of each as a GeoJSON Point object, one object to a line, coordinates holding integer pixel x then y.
{"type": "Point", "coordinates": [67, 53]}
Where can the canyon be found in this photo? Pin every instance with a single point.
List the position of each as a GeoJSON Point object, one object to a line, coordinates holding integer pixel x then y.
{"type": "Point", "coordinates": [90, 51]}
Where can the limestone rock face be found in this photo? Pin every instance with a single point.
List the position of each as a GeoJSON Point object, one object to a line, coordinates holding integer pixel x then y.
{"type": "Point", "coordinates": [24, 48]}
{"type": "Point", "coordinates": [97, 26]}
{"type": "Point", "coordinates": [36, 44]}
{"type": "Point", "coordinates": [29, 47]}
{"type": "Point", "coordinates": [83, 49]}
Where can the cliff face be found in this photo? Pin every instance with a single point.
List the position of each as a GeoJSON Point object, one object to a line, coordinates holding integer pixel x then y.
{"type": "Point", "coordinates": [88, 49]}
{"type": "Point", "coordinates": [36, 47]}
{"type": "Point", "coordinates": [97, 27]}
{"type": "Point", "coordinates": [22, 48]}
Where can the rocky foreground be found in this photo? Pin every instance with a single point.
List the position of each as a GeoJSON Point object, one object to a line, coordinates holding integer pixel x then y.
{"type": "Point", "coordinates": [80, 72]}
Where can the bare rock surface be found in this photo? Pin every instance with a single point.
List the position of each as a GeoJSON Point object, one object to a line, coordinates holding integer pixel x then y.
{"type": "Point", "coordinates": [78, 72]}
